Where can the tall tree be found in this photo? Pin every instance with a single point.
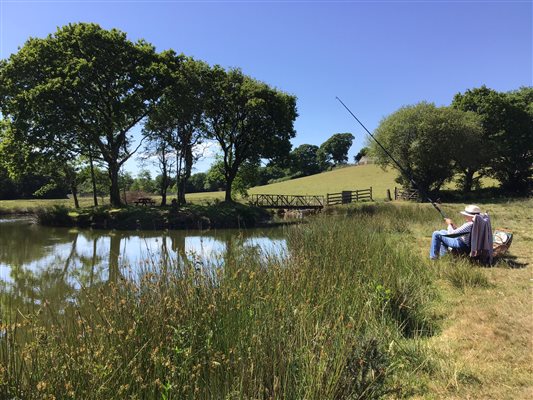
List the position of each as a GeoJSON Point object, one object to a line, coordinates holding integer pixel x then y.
{"type": "Point", "coordinates": [335, 149]}
{"type": "Point", "coordinates": [82, 86]}
{"type": "Point", "coordinates": [423, 138]}
{"type": "Point", "coordinates": [508, 131]}
{"type": "Point", "coordinates": [177, 120]}
{"type": "Point", "coordinates": [304, 160]}
{"type": "Point", "coordinates": [248, 119]}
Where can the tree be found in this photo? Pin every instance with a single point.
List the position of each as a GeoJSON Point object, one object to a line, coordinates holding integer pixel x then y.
{"type": "Point", "coordinates": [423, 139]}
{"type": "Point", "coordinates": [335, 150]}
{"type": "Point", "coordinates": [247, 177]}
{"type": "Point", "coordinates": [177, 119]}
{"type": "Point", "coordinates": [95, 181]}
{"type": "Point", "coordinates": [82, 86]}
{"type": "Point", "coordinates": [362, 153]}
{"type": "Point", "coordinates": [159, 152]}
{"type": "Point", "coordinates": [38, 173]}
{"type": "Point", "coordinates": [507, 122]}
{"type": "Point", "coordinates": [144, 182]}
{"type": "Point", "coordinates": [304, 160]}
{"type": "Point", "coordinates": [196, 183]}
{"type": "Point", "coordinates": [248, 119]}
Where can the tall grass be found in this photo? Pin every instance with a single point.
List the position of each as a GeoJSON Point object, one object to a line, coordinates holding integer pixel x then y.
{"type": "Point", "coordinates": [319, 323]}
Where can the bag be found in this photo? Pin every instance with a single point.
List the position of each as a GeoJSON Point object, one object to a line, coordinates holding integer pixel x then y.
{"type": "Point", "coordinates": [501, 241]}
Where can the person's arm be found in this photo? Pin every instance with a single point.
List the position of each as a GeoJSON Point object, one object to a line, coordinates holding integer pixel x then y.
{"type": "Point", "coordinates": [462, 230]}
{"type": "Point", "coordinates": [451, 225]}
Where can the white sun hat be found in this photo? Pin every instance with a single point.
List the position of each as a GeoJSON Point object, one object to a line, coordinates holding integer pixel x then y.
{"type": "Point", "coordinates": [471, 210]}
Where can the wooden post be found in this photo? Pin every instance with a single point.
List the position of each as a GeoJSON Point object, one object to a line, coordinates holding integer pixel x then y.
{"type": "Point", "coordinates": [371, 199]}
{"type": "Point", "coordinates": [389, 195]}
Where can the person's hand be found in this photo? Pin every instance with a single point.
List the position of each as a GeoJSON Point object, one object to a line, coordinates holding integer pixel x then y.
{"type": "Point", "coordinates": [448, 221]}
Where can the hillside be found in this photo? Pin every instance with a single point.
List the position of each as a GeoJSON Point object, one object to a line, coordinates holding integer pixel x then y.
{"type": "Point", "coordinates": [348, 178]}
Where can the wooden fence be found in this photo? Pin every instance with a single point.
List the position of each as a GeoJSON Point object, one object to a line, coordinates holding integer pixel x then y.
{"type": "Point", "coordinates": [349, 196]}
{"type": "Point", "coordinates": [406, 194]}
{"type": "Point", "coordinates": [288, 202]}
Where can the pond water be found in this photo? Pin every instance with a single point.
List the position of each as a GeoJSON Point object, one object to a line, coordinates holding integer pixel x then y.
{"type": "Point", "coordinates": [37, 261]}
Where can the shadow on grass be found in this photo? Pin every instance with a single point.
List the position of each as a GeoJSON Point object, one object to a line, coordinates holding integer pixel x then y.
{"type": "Point", "coordinates": [509, 261]}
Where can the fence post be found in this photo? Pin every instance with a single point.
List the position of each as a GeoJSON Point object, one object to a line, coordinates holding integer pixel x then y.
{"type": "Point", "coordinates": [371, 199]}
{"type": "Point", "coordinates": [389, 197]}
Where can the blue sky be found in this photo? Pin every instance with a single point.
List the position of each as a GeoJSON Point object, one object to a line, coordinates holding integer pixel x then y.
{"type": "Point", "coordinates": [375, 55]}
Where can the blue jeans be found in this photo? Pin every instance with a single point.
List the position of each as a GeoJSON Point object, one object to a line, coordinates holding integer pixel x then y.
{"type": "Point", "coordinates": [440, 244]}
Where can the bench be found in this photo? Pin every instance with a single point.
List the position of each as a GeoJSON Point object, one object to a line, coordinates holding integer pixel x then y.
{"type": "Point", "coordinates": [144, 201]}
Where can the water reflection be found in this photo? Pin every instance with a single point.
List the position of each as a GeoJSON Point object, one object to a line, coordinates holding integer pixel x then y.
{"type": "Point", "coordinates": [42, 263]}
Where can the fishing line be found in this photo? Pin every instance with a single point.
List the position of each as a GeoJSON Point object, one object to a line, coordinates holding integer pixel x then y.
{"type": "Point", "coordinates": [402, 170]}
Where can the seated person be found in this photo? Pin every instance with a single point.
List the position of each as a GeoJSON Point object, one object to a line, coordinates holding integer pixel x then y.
{"type": "Point", "coordinates": [456, 238]}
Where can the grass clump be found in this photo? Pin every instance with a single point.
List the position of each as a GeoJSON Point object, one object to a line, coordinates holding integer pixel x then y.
{"type": "Point", "coordinates": [463, 275]}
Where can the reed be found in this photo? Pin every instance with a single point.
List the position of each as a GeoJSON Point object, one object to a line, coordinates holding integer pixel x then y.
{"type": "Point", "coordinates": [324, 321]}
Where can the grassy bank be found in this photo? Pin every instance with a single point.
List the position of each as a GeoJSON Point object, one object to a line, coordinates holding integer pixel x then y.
{"type": "Point", "coordinates": [335, 319]}
{"type": "Point", "coordinates": [355, 311]}
{"type": "Point", "coordinates": [218, 215]}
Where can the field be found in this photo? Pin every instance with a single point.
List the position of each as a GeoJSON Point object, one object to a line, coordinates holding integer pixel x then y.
{"type": "Point", "coordinates": [347, 178]}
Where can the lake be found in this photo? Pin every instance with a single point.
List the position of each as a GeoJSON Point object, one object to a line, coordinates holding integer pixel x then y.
{"type": "Point", "coordinates": [40, 263]}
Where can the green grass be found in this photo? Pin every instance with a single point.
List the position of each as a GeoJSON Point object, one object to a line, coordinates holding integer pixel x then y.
{"type": "Point", "coordinates": [347, 178]}
{"type": "Point", "coordinates": [317, 324]}
{"type": "Point", "coordinates": [355, 311]}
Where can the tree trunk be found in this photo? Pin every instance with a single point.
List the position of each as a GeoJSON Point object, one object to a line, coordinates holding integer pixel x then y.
{"type": "Point", "coordinates": [164, 186]}
{"type": "Point", "coordinates": [74, 191]}
{"type": "Point", "coordinates": [114, 252]}
{"type": "Point", "coordinates": [164, 196]}
{"type": "Point", "coordinates": [186, 175]}
{"type": "Point", "coordinates": [468, 180]}
{"type": "Point", "coordinates": [114, 192]}
{"type": "Point", "coordinates": [93, 179]}
{"type": "Point", "coordinates": [229, 184]}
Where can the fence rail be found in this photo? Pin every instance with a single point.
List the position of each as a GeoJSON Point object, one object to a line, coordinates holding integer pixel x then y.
{"type": "Point", "coordinates": [349, 196]}
{"type": "Point", "coordinates": [286, 201]}
{"type": "Point", "coordinates": [406, 194]}
{"type": "Point", "coordinates": [310, 201]}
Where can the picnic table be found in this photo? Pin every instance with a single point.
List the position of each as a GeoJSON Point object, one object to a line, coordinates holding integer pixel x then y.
{"type": "Point", "coordinates": [144, 201]}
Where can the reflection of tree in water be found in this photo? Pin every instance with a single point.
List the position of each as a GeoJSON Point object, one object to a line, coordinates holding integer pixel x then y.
{"type": "Point", "coordinates": [57, 282]}
{"type": "Point", "coordinates": [42, 268]}
{"type": "Point", "coordinates": [23, 242]}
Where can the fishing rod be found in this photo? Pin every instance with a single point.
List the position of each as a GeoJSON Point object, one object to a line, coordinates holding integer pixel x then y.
{"type": "Point", "coordinates": [407, 175]}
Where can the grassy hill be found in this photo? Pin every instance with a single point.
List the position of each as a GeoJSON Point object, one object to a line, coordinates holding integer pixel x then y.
{"type": "Point", "coordinates": [348, 178]}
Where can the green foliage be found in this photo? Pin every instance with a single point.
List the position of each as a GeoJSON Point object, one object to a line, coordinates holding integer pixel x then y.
{"type": "Point", "coordinates": [334, 151]}
{"type": "Point", "coordinates": [196, 183]}
{"type": "Point", "coordinates": [247, 177]}
{"type": "Point", "coordinates": [101, 178]}
{"type": "Point", "coordinates": [507, 120]}
{"type": "Point", "coordinates": [428, 142]}
{"type": "Point", "coordinates": [248, 119]}
{"type": "Point", "coordinates": [304, 160]}
{"type": "Point", "coordinates": [363, 152]}
{"type": "Point", "coordinates": [144, 182]}
{"type": "Point", "coordinates": [81, 86]}
{"type": "Point", "coordinates": [176, 124]}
